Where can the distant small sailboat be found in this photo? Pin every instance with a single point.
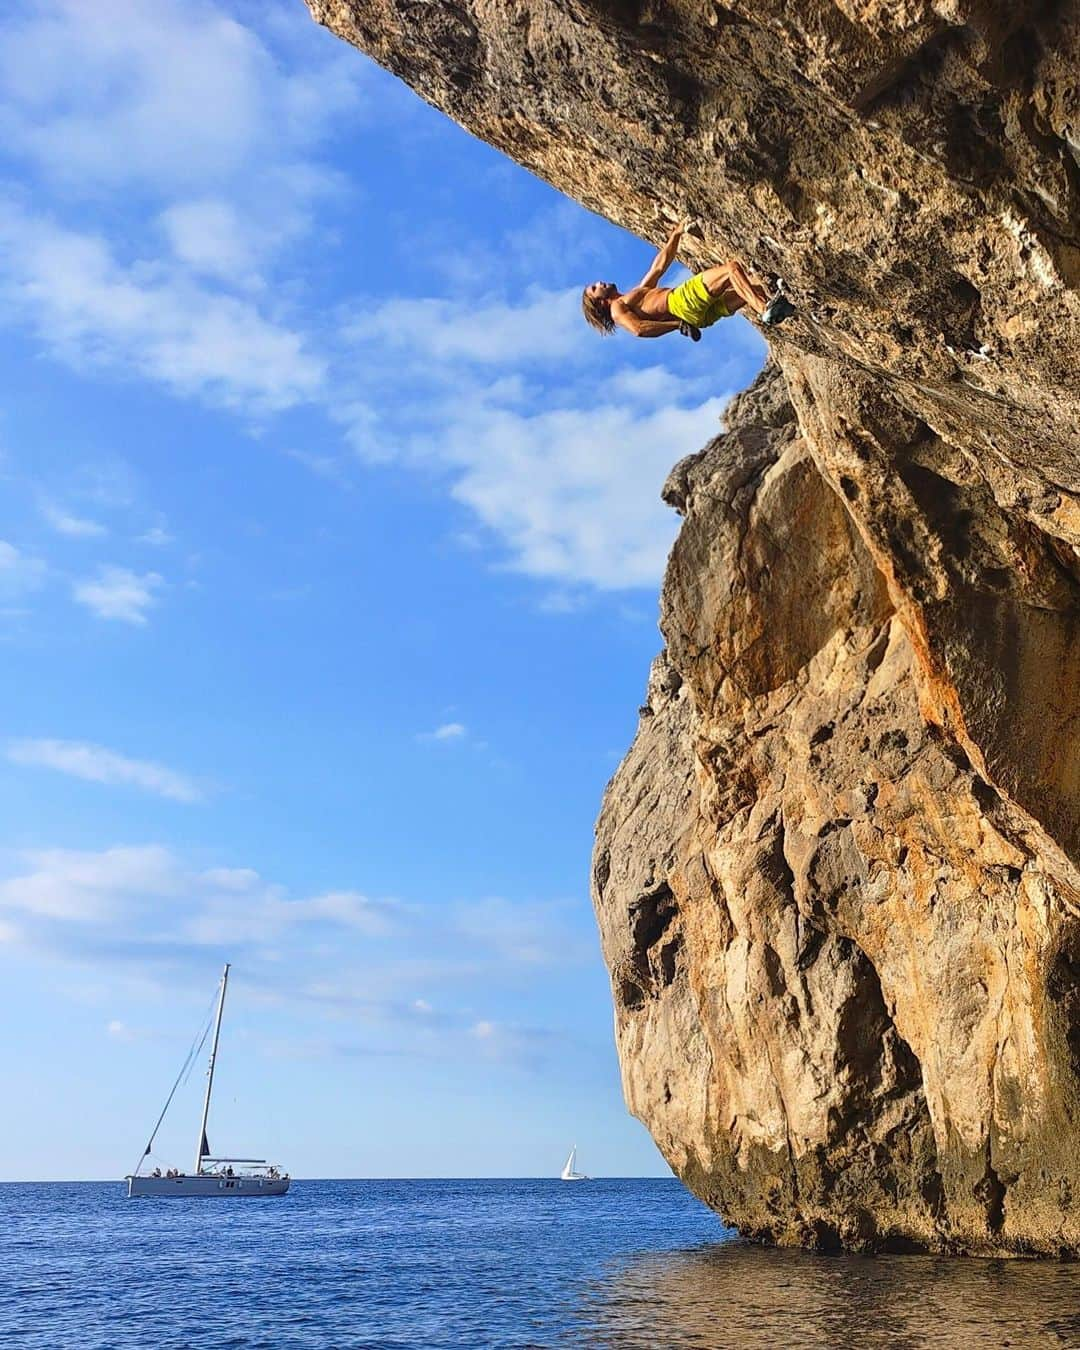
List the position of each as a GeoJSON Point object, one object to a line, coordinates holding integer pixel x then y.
{"type": "Point", "coordinates": [212, 1176]}
{"type": "Point", "coordinates": [568, 1173]}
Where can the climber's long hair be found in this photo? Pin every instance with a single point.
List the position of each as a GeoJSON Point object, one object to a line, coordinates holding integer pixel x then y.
{"type": "Point", "coordinates": [597, 313]}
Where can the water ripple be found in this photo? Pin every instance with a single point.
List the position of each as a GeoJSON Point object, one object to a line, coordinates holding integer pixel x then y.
{"type": "Point", "coordinates": [518, 1265]}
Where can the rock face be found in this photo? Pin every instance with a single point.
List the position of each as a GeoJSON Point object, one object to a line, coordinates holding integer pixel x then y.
{"type": "Point", "coordinates": [843, 960]}
{"type": "Point", "coordinates": [836, 875]}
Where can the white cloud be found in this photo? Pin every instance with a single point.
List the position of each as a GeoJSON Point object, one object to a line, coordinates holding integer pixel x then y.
{"type": "Point", "coordinates": [204, 126]}
{"type": "Point", "coordinates": [560, 454]}
{"type": "Point", "coordinates": [523, 1047]}
{"type": "Point", "coordinates": [334, 468]}
{"type": "Point", "coordinates": [96, 764]}
{"type": "Point", "coordinates": [350, 909]}
{"type": "Point", "coordinates": [574, 492]}
{"type": "Point", "coordinates": [159, 921]}
{"type": "Point", "coordinates": [542, 244]}
{"type": "Point", "coordinates": [214, 131]}
{"type": "Point", "coordinates": [231, 878]}
{"type": "Point", "coordinates": [651, 385]}
{"type": "Point", "coordinates": [263, 913]}
{"type": "Point", "coordinates": [546, 327]}
{"type": "Point", "coordinates": [156, 537]}
{"type": "Point", "coordinates": [110, 484]}
{"type": "Point", "coordinates": [522, 933]}
{"type": "Point", "coordinates": [210, 238]}
{"type": "Point", "coordinates": [150, 318]}
{"type": "Point", "coordinates": [137, 895]}
{"type": "Point", "coordinates": [77, 527]}
{"type": "Point", "coordinates": [91, 887]}
{"type": "Point", "coordinates": [118, 593]}
{"type": "Point", "coordinates": [562, 601]}
{"type": "Point", "coordinates": [18, 572]}
{"type": "Point", "coordinates": [166, 97]}
{"type": "Point", "coordinates": [448, 732]}
{"type": "Point", "coordinates": [362, 429]}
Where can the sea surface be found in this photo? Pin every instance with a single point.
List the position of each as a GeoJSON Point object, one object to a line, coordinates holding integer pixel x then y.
{"type": "Point", "coordinates": [480, 1263]}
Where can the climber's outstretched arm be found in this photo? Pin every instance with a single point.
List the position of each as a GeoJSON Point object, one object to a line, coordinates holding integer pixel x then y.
{"type": "Point", "coordinates": [664, 258]}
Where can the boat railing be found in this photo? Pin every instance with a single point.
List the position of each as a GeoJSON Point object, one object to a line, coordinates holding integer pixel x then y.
{"type": "Point", "coordinates": [257, 1168]}
{"type": "Point", "coordinates": [251, 1167]}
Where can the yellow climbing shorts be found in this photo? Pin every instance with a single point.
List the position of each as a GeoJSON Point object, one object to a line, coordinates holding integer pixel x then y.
{"type": "Point", "coordinates": [692, 303]}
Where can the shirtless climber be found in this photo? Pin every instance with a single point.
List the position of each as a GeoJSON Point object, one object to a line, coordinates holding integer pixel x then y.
{"type": "Point", "coordinates": [650, 310]}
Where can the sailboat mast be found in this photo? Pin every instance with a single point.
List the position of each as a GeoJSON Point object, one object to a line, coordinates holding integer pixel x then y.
{"type": "Point", "coordinates": [210, 1071]}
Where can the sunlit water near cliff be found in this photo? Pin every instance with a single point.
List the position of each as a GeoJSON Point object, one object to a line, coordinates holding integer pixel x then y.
{"type": "Point", "coordinates": [480, 1263]}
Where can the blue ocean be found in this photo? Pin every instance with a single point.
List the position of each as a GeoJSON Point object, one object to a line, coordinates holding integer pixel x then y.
{"type": "Point", "coordinates": [373, 1264]}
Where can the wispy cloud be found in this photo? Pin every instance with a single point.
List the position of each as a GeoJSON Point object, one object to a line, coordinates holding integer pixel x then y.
{"type": "Point", "coordinates": [511, 1043]}
{"type": "Point", "coordinates": [96, 764]}
{"type": "Point", "coordinates": [209, 237]}
{"type": "Point", "coordinates": [148, 898]}
{"type": "Point", "coordinates": [119, 593]}
{"type": "Point", "coordinates": [259, 914]}
{"type": "Point", "coordinates": [413, 978]}
{"type": "Point", "coordinates": [91, 887]}
{"type": "Point", "coordinates": [544, 326]}
{"type": "Point", "coordinates": [65, 522]}
{"type": "Point", "coordinates": [573, 492]}
{"type": "Point", "coordinates": [556, 449]}
{"type": "Point", "coordinates": [334, 468]}
{"type": "Point", "coordinates": [18, 571]}
{"type": "Point", "coordinates": [448, 733]}
{"type": "Point", "coordinates": [91, 95]}
{"type": "Point", "coordinates": [522, 933]}
{"type": "Point", "coordinates": [149, 317]}
{"type": "Point", "coordinates": [93, 92]}
{"type": "Point", "coordinates": [148, 913]}
{"type": "Point", "coordinates": [156, 536]}
{"type": "Point", "coordinates": [560, 455]}
{"type": "Point", "coordinates": [130, 886]}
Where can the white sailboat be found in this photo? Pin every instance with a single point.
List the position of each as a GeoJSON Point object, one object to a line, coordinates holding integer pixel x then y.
{"type": "Point", "coordinates": [212, 1176]}
{"type": "Point", "coordinates": [568, 1173]}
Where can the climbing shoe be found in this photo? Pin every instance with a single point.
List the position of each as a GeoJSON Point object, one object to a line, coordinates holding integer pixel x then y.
{"type": "Point", "coordinates": [688, 330]}
{"type": "Point", "coordinates": [777, 310]}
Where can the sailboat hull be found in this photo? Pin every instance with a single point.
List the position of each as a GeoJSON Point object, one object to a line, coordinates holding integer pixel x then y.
{"type": "Point", "coordinates": [227, 1188]}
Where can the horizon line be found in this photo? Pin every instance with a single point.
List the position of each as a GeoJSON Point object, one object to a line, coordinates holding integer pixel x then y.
{"type": "Point", "coordinates": [106, 1181]}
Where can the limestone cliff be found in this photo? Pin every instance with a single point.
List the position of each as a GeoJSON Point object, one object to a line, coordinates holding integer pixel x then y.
{"type": "Point", "coordinates": [836, 875]}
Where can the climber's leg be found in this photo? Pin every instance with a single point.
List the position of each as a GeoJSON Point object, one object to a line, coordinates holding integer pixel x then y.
{"type": "Point", "coordinates": [730, 283]}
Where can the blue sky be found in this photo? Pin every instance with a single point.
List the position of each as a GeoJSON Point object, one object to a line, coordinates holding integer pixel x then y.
{"type": "Point", "coordinates": [329, 547]}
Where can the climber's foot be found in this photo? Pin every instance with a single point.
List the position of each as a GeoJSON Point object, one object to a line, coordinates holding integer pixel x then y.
{"type": "Point", "coordinates": [776, 311]}
{"type": "Point", "coordinates": [688, 330]}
